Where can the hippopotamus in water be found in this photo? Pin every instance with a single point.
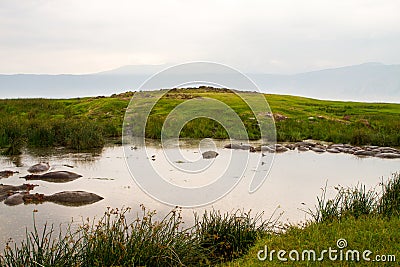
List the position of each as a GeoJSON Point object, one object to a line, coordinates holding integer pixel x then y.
{"type": "Point", "coordinates": [318, 149]}
{"type": "Point", "coordinates": [6, 174]}
{"type": "Point", "coordinates": [388, 155]}
{"type": "Point", "coordinates": [280, 148]}
{"type": "Point", "coordinates": [54, 177]}
{"type": "Point", "coordinates": [40, 167]}
{"type": "Point", "coordinates": [15, 199]}
{"type": "Point", "coordinates": [241, 146]}
{"type": "Point", "coordinates": [210, 155]}
{"type": "Point", "coordinates": [7, 190]}
{"type": "Point", "coordinates": [266, 148]}
{"type": "Point", "coordinates": [66, 198]}
{"type": "Point", "coordinates": [332, 150]}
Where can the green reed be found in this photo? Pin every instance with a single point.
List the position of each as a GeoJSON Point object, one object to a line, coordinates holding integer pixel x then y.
{"type": "Point", "coordinates": [145, 241]}
{"type": "Point", "coordinates": [228, 236]}
{"type": "Point", "coordinates": [358, 201]}
{"type": "Point", "coordinates": [389, 203]}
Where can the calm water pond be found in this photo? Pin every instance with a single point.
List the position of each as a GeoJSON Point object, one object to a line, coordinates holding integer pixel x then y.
{"type": "Point", "coordinates": [293, 183]}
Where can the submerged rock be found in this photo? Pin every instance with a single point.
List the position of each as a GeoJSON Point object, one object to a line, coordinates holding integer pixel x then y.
{"type": "Point", "coordinates": [54, 177]}
{"type": "Point", "coordinates": [210, 155]}
{"type": "Point", "coordinates": [40, 167]}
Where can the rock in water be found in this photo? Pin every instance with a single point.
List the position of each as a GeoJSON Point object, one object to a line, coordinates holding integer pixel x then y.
{"type": "Point", "coordinates": [210, 155]}
{"type": "Point", "coordinates": [54, 177]}
{"type": "Point", "coordinates": [40, 167]}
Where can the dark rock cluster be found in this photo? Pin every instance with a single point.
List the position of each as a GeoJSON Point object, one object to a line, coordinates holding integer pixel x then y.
{"type": "Point", "coordinates": [372, 151]}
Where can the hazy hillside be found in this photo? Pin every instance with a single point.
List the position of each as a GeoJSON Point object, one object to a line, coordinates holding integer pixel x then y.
{"type": "Point", "coordinates": [365, 82]}
{"type": "Point", "coordinates": [372, 82]}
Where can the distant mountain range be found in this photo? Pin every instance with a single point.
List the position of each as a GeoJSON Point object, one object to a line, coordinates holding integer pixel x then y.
{"type": "Point", "coordinates": [371, 82]}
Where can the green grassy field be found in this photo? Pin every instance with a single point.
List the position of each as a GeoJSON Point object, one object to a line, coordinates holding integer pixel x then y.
{"type": "Point", "coordinates": [366, 219]}
{"type": "Point", "coordinates": [86, 123]}
{"type": "Point", "coordinates": [374, 233]}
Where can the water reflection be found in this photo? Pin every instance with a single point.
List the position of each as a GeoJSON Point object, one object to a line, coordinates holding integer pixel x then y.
{"type": "Point", "coordinates": [294, 182]}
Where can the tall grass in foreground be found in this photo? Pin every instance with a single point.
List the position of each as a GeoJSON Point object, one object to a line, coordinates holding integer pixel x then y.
{"type": "Point", "coordinates": [230, 235]}
{"type": "Point", "coordinates": [214, 238]}
{"type": "Point", "coordinates": [358, 201]}
{"type": "Point", "coordinates": [113, 241]}
{"type": "Point", "coordinates": [389, 203]}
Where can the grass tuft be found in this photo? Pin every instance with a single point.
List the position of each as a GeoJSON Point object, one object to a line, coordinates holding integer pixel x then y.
{"type": "Point", "coordinates": [389, 203]}
{"type": "Point", "coordinates": [113, 241]}
{"type": "Point", "coordinates": [358, 202]}
{"type": "Point", "coordinates": [230, 235]}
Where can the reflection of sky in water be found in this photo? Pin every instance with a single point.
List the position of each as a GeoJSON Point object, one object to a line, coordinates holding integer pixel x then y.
{"type": "Point", "coordinates": [295, 178]}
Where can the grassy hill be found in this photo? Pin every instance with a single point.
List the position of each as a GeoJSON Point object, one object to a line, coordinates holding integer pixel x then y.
{"type": "Point", "coordinates": [84, 123]}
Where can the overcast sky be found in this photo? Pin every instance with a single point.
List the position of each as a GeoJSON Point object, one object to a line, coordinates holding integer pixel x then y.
{"type": "Point", "coordinates": [254, 36]}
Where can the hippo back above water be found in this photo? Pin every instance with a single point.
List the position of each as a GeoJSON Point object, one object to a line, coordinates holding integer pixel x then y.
{"type": "Point", "coordinates": [209, 154]}
{"type": "Point", "coordinates": [40, 167]}
{"type": "Point", "coordinates": [65, 198]}
{"type": "Point", "coordinates": [6, 190]}
{"type": "Point", "coordinates": [15, 199]}
{"type": "Point", "coordinates": [73, 198]}
{"type": "Point", "coordinates": [6, 174]}
{"type": "Point", "coordinates": [54, 177]}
